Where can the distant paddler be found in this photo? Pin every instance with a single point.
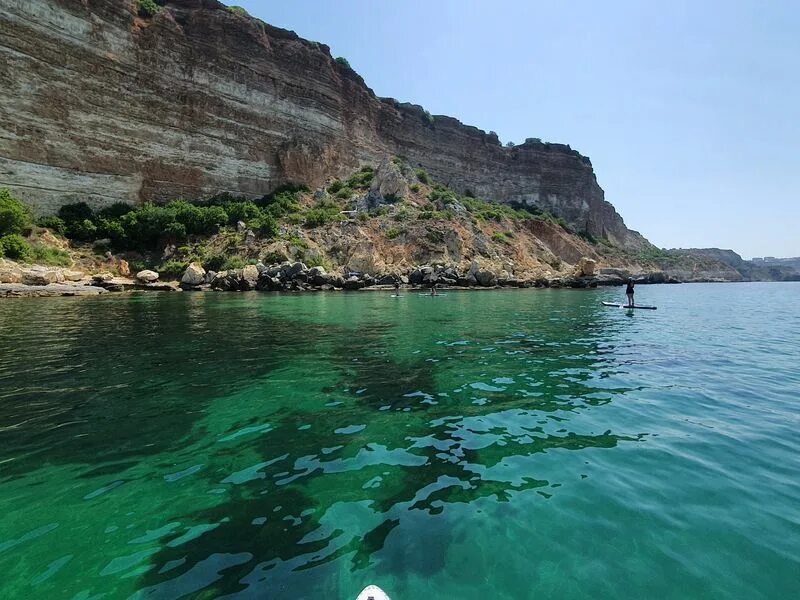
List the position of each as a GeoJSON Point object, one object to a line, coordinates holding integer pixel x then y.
{"type": "Point", "coordinates": [629, 292]}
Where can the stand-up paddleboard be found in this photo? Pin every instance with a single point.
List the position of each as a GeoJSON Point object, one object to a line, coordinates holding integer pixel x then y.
{"type": "Point", "coordinates": [396, 296]}
{"type": "Point", "coordinates": [373, 592]}
{"type": "Point", "coordinates": [615, 305]}
{"type": "Point", "coordinates": [433, 295]}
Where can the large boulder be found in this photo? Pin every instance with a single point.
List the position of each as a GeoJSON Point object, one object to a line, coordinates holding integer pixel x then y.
{"type": "Point", "coordinates": [586, 267]}
{"type": "Point", "coordinates": [42, 276]}
{"type": "Point", "coordinates": [194, 275]}
{"type": "Point", "coordinates": [353, 283]}
{"type": "Point", "coordinates": [71, 275]}
{"type": "Point", "coordinates": [147, 276]}
{"type": "Point", "coordinates": [486, 278]}
{"type": "Point", "coordinates": [249, 278]}
{"type": "Point", "coordinates": [10, 272]}
{"type": "Point", "coordinates": [388, 184]}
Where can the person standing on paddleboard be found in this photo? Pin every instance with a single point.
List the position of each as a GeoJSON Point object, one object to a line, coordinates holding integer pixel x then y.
{"type": "Point", "coordinates": [629, 292]}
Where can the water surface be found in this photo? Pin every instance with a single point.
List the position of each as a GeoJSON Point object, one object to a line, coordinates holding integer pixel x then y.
{"type": "Point", "coordinates": [510, 444]}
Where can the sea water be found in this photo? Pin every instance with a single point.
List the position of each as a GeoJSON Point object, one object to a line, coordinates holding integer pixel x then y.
{"type": "Point", "coordinates": [505, 445]}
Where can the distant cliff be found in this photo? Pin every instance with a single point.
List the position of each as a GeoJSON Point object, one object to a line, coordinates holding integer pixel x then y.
{"type": "Point", "coordinates": [99, 104]}
{"type": "Point", "coordinates": [727, 265]}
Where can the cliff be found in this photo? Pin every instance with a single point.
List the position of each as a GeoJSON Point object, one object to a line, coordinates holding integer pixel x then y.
{"type": "Point", "coordinates": [101, 105]}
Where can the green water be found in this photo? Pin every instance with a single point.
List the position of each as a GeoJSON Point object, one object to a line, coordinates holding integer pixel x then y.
{"type": "Point", "coordinates": [505, 445]}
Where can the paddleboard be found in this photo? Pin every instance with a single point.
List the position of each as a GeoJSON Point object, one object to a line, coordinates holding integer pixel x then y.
{"type": "Point", "coordinates": [373, 592]}
{"type": "Point", "coordinates": [615, 305]}
{"type": "Point", "coordinates": [396, 296]}
{"type": "Point", "coordinates": [432, 296]}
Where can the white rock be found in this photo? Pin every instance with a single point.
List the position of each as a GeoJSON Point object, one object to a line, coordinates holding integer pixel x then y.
{"type": "Point", "coordinates": [195, 274]}
{"type": "Point", "coordinates": [147, 276]}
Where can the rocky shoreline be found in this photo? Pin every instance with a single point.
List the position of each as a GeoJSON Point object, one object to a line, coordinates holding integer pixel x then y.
{"type": "Point", "coordinates": [40, 281]}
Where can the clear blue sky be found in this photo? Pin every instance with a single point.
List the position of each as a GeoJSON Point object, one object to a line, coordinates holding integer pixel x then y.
{"type": "Point", "coordinates": [690, 111]}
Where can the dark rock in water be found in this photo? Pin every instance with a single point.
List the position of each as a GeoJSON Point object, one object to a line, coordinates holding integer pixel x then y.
{"type": "Point", "coordinates": [269, 284]}
{"type": "Point", "coordinates": [353, 283]}
{"type": "Point", "coordinates": [337, 281]}
{"type": "Point", "coordinates": [486, 278]}
{"type": "Point", "coordinates": [447, 281]}
{"type": "Point", "coordinates": [387, 280]}
{"type": "Point", "coordinates": [368, 280]}
{"type": "Point", "coordinates": [463, 282]}
{"type": "Point", "coordinates": [416, 277]}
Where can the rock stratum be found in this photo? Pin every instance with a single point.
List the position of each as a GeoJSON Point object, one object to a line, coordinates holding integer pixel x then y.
{"type": "Point", "coordinates": [100, 105]}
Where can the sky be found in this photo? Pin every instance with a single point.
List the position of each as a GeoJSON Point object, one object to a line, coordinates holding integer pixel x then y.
{"type": "Point", "coordinates": [689, 111]}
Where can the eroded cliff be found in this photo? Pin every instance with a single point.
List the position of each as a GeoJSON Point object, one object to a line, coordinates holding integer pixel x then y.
{"type": "Point", "coordinates": [101, 105]}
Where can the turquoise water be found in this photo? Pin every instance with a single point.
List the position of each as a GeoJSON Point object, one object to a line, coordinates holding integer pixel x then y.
{"type": "Point", "coordinates": [505, 445]}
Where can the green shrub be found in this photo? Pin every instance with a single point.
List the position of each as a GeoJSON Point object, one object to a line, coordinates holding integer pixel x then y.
{"type": "Point", "coordinates": [214, 262]}
{"type": "Point", "coordinates": [78, 220]}
{"type": "Point", "coordinates": [500, 237]}
{"type": "Point", "coordinates": [83, 231]}
{"type": "Point", "coordinates": [239, 11]}
{"type": "Point", "coordinates": [335, 187]}
{"type": "Point", "coordinates": [322, 215]}
{"type": "Point", "coordinates": [233, 262]}
{"type": "Point", "coordinates": [422, 176]}
{"type": "Point", "coordinates": [242, 211]}
{"type": "Point", "coordinates": [14, 217]}
{"type": "Point", "coordinates": [47, 255]}
{"type": "Point", "coordinates": [173, 269]}
{"type": "Point", "coordinates": [148, 8]}
{"type": "Point", "coordinates": [297, 242]}
{"type": "Point", "coordinates": [414, 187]}
{"type": "Point", "coordinates": [344, 193]}
{"type": "Point", "coordinates": [361, 180]}
{"type": "Point", "coordinates": [15, 246]}
{"type": "Point", "coordinates": [274, 258]}
{"type": "Point", "coordinates": [53, 223]}
{"type": "Point", "coordinates": [115, 211]}
{"type": "Point", "coordinates": [175, 232]}
{"type": "Point", "coordinates": [267, 226]}
{"type": "Point", "coordinates": [341, 60]}
{"type": "Point", "coordinates": [394, 232]}
{"type": "Point", "coordinates": [436, 237]}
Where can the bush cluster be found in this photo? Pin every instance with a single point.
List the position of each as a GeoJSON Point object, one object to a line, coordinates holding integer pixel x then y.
{"type": "Point", "coordinates": [146, 227]}
{"type": "Point", "coordinates": [16, 247]}
{"type": "Point", "coordinates": [149, 8]}
{"type": "Point", "coordinates": [14, 216]}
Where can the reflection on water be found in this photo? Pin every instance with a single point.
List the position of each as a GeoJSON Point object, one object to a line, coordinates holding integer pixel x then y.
{"type": "Point", "coordinates": [258, 446]}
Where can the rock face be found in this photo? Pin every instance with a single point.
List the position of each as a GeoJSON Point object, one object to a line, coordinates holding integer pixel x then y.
{"type": "Point", "coordinates": [220, 102]}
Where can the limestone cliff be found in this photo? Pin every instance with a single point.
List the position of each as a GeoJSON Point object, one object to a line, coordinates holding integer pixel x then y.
{"type": "Point", "coordinates": [101, 105]}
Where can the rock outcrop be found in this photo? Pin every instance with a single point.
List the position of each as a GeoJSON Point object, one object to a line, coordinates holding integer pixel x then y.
{"type": "Point", "coordinates": [100, 105]}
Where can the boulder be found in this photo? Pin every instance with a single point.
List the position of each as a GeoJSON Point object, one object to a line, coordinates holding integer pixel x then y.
{"type": "Point", "coordinates": [249, 278]}
{"type": "Point", "coordinates": [147, 276]}
{"type": "Point", "coordinates": [261, 267]}
{"type": "Point", "coordinates": [268, 283]}
{"type": "Point", "coordinates": [210, 275]}
{"type": "Point", "coordinates": [241, 226]}
{"type": "Point", "coordinates": [586, 267]}
{"type": "Point", "coordinates": [295, 269]}
{"type": "Point", "coordinates": [10, 273]}
{"type": "Point", "coordinates": [123, 268]}
{"type": "Point", "coordinates": [100, 277]}
{"type": "Point", "coordinates": [486, 278]}
{"type": "Point", "coordinates": [70, 275]}
{"type": "Point", "coordinates": [388, 184]}
{"type": "Point", "coordinates": [42, 276]}
{"type": "Point", "coordinates": [249, 238]}
{"type": "Point", "coordinates": [353, 283]}
{"type": "Point", "coordinates": [194, 275]}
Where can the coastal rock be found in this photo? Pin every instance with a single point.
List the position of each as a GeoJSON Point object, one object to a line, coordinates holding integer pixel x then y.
{"type": "Point", "coordinates": [147, 276]}
{"type": "Point", "coordinates": [10, 273]}
{"type": "Point", "coordinates": [100, 277]}
{"type": "Point", "coordinates": [42, 276]}
{"type": "Point", "coordinates": [123, 268]}
{"type": "Point", "coordinates": [353, 283]}
{"type": "Point", "coordinates": [70, 275]}
{"type": "Point", "coordinates": [486, 278]}
{"type": "Point", "coordinates": [586, 267]}
{"type": "Point", "coordinates": [12, 290]}
{"type": "Point", "coordinates": [194, 275]}
{"type": "Point", "coordinates": [250, 276]}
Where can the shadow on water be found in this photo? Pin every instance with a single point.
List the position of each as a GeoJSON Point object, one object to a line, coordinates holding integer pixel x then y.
{"type": "Point", "coordinates": [417, 449]}
{"type": "Point", "coordinates": [103, 381]}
